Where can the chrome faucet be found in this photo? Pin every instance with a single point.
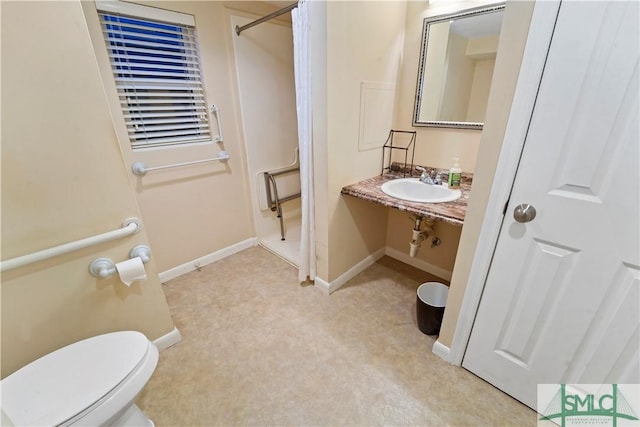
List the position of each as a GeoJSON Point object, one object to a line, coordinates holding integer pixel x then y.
{"type": "Point", "coordinates": [429, 179]}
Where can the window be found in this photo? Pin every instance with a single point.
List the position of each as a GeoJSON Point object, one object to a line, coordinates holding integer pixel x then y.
{"type": "Point", "coordinates": [155, 62]}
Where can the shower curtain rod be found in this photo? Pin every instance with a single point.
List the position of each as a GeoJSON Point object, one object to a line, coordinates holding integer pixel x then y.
{"type": "Point", "coordinates": [266, 18]}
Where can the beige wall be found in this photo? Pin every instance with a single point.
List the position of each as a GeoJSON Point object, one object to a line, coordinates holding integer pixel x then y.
{"type": "Point", "coordinates": [364, 43]}
{"type": "Point", "coordinates": [191, 211]}
{"type": "Point", "coordinates": [434, 74]}
{"type": "Point", "coordinates": [458, 81]}
{"type": "Point", "coordinates": [435, 146]}
{"type": "Point", "coordinates": [483, 47]}
{"type": "Point", "coordinates": [514, 33]}
{"type": "Point", "coordinates": [440, 258]}
{"type": "Point", "coordinates": [480, 89]}
{"type": "Point", "coordinates": [63, 179]}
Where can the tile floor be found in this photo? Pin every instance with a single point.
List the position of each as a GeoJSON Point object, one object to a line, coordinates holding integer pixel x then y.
{"type": "Point", "coordinates": [258, 349]}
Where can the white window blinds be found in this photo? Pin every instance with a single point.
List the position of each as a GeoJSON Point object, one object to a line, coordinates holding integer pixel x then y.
{"type": "Point", "coordinates": [157, 73]}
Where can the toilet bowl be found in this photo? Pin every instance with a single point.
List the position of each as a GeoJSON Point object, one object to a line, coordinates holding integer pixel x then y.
{"type": "Point", "coordinates": [93, 382]}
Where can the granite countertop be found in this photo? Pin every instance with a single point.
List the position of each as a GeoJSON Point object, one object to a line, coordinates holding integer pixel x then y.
{"type": "Point", "coordinates": [451, 212]}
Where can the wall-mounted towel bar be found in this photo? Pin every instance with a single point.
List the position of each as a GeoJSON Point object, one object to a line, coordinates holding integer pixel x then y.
{"type": "Point", "coordinates": [130, 226]}
{"type": "Point", "coordinates": [274, 201]}
{"type": "Point", "coordinates": [141, 169]}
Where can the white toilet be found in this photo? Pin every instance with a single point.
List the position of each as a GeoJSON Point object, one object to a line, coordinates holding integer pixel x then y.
{"type": "Point", "coordinates": [93, 382]}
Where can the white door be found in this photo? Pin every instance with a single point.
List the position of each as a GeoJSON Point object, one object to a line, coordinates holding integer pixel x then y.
{"type": "Point", "coordinates": [561, 302]}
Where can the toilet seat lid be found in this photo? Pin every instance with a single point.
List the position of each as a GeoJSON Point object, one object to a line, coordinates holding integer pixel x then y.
{"type": "Point", "coordinates": [62, 384]}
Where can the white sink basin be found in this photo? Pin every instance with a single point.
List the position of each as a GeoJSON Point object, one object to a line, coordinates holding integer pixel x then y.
{"type": "Point", "coordinates": [412, 190]}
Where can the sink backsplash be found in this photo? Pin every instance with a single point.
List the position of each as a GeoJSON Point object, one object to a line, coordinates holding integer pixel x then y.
{"type": "Point", "coordinates": [398, 168]}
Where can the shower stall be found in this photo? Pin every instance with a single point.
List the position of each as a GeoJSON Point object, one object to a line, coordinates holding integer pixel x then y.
{"type": "Point", "coordinates": [266, 85]}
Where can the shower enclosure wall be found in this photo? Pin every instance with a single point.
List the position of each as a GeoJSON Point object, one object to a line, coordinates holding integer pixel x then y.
{"type": "Point", "coordinates": [266, 84]}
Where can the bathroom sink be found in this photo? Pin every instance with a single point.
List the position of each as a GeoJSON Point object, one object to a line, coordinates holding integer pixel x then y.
{"type": "Point", "coordinates": [412, 190]}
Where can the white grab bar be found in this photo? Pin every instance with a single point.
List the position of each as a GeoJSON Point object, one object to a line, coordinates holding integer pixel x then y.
{"type": "Point", "coordinates": [130, 226]}
{"type": "Point", "coordinates": [216, 111]}
{"type": "Point", "coordinates": [141, 169]}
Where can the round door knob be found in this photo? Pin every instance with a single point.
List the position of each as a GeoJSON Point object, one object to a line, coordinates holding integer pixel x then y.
{"type": "Point", "coordinates": [524, 213]}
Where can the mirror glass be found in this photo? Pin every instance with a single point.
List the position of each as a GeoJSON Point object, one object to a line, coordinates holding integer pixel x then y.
{"type": "Point", "coordinates": [456, 66]}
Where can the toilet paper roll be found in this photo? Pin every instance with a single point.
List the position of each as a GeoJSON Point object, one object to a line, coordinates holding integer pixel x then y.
{"type": "Point", "coordinates": [131, 270]}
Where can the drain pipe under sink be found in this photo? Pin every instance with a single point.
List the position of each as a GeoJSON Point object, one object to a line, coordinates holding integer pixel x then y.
{"type": "Point", "coordinates": [420, 234]}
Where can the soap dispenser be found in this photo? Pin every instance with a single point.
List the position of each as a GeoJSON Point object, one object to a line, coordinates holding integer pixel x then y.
{"type": "Point", "coordinates": [455, 174]}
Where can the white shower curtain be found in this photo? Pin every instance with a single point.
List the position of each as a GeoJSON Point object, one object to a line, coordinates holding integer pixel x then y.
{"type": "Point", "coordinates": [302, 66]}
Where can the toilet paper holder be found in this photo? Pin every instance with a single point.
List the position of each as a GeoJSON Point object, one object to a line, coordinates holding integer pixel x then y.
{"type": "Point", "coordinates": [104, 267]}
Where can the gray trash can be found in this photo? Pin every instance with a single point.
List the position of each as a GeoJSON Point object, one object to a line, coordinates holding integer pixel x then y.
{"type": "Point", "coordinates": [430, 303]}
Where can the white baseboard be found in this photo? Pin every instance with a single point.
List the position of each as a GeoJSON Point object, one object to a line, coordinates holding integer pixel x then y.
{"type": "Point", "coordinates": [418, 263]}
{"type": "Point", "coordinates": [207, 259]}
{"type": "Point", "coordinates": [329, 288]}
{"type": "Point", "coordinates": [441, 350]}
{"type": "Point", "coordinates": [322, 285]}
{"type": "Point", "coordinates": [168, 340]}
